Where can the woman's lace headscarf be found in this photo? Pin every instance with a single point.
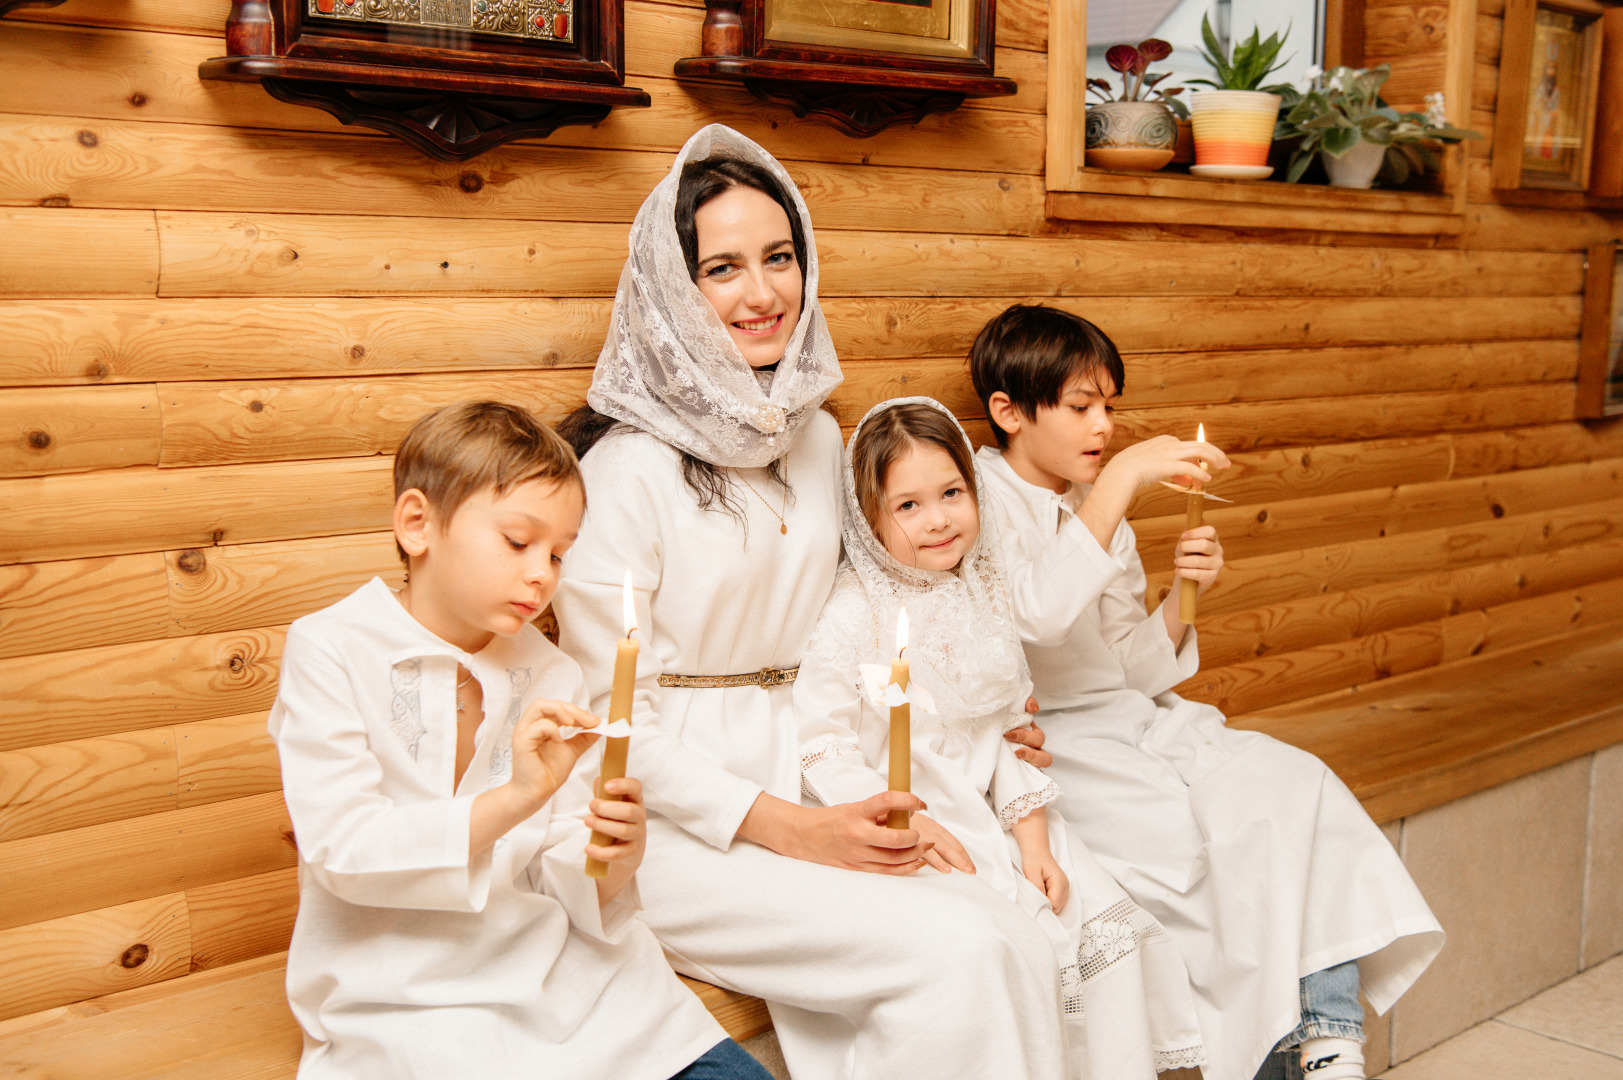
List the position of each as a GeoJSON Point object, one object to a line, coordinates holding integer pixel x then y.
{"type": "Point", "coordinates": [669, 365]}
{"type": "Point", "coordinates": [963, 646]}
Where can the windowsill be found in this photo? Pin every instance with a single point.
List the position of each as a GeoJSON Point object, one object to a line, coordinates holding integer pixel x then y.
{"type": "Point", "coordinates": [1104, 195]}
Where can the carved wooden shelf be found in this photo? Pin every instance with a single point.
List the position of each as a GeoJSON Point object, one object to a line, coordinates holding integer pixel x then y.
{"type": "Point", "coordinates": [451, 95]}
{"type": "Point", "coordinates": [860, 90]}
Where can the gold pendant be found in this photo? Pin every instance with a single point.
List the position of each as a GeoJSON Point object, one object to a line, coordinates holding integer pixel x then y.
{"type": "Point", "coordinates": [784, 528]}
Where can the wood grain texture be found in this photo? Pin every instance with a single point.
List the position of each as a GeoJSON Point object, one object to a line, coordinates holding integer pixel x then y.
{"type": "Point", "coordinates": [242, 918]}
{"type": "Point", "coordinates": [132, 163]}
{"type": "Point", "coordinates": [1272, 579]}
{"type": "Point", "coordinates": [230, 1022]}
{"type": "Point", "coordinates": [246, 585]}
{"type": "Point", "coordinates": [69, 785]}
{"type": "Point", "coordinates": [55, 431]}
{"type": "Point", "coordinates": [119, 862]}
{"type": "Point", "coordinates": [740, 1015]}
{"type": "Point", "coordinates": [230, 757]}
{"type": "Point", "coordinates": [1375, 512]}
{"type": "Point", "coordinates": [207, 254]}
{"type": "Point", "coordinates": [56, 697]}
{"type": "Point", "coordinates": [1417, 741]}
{"type": "Point", "coordinates": [45, 250]}
{"type": "Point", "coordinates": [61, 961]}
{"type": "Point", "coordinates": [131, 510]}
{"type": "Point", "coordinates": [81, 602]}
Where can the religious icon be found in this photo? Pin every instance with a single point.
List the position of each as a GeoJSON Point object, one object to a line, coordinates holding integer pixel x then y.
{"type": "Point", "coordinates": [1612, 381]}
{"type": "Point", "coordinates": [1549, 76]}
{"type": "Point", "coordinates": [1555, 138]}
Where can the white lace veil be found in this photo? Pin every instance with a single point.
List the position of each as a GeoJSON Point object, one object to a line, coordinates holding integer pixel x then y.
{"type": "Point", "coordinates": [669, 365]}
{"type": "Point", "coordinates": [963, 646]}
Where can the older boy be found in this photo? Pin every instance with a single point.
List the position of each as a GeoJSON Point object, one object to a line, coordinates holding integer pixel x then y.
{"type": "Point", "coordinates": [446, 928]}
{"type": "Point", "coordinates": [1262, 865]}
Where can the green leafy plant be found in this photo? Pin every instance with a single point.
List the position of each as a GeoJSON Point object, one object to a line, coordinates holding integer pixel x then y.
{"type": "Point", "coordinates": [1137, 84]}
{"type": "Point", "coordinates": [1248, 63]}
{"type": "Point", "coordinates": [1343, 107]}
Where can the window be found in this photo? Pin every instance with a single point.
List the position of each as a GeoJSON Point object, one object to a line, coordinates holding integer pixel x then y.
{"type": "Point", "coordinates": [1114, 22]}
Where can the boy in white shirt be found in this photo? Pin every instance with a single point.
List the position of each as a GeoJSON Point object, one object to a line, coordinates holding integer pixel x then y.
{"type": "Point", "coordinates": [1281, 893]}
{"type": "Point", "coordinates": [446, 927]}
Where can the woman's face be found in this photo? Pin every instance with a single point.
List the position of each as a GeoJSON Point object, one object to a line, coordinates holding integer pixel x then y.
{"type": "Point", "coordinates": [748, 271]}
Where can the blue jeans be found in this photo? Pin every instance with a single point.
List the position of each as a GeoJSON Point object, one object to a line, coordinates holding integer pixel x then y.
{"type": "Point", "coordinates": [724, 1061]}
{"type": "Point", "coordinates": [1330, 1008]}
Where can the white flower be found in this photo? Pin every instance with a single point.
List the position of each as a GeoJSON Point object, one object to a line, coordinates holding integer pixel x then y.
{"type": "Point", "coordinates": [1436, 110]}
{"type": "Point", "coordinates": [1311, 75]}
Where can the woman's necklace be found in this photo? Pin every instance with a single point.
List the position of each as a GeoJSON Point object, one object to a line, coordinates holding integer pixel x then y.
{"type": "Point", "coordinates": [783, 525]}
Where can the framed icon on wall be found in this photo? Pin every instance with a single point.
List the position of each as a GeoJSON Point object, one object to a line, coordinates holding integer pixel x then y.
{"type": "Point", "coordinates": [1600, 343]}
{"type": "Point", "coordinates": [1549, 81]}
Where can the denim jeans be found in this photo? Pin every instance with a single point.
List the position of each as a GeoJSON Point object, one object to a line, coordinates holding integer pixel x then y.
{"type": "Point", "coordinates": [724, 1061]}
{"type": "Point", "coordinates": [1329, 1008]}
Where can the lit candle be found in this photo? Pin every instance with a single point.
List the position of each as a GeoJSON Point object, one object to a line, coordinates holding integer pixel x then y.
{"type": "Point", "coordinates": [614, 750]}
{"type": "Point", "coordinates": [901, 728]}
{"type": "Point", "coordinates": [1188, 588]}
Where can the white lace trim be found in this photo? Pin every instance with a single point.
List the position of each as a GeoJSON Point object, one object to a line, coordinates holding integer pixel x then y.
{"type": "Point", "coordinates": [1019, 807]}
{"type": "Point", "coordinates": [406, 706]}
{"type": "Point", "coordinates": [501, 758]}
{"type": "Point", "coordinates": [818, 750]}
{"type": "Point", "coordinates": [1108, 938]}
{"type": "Point", "coordinates": [1188, 1057]}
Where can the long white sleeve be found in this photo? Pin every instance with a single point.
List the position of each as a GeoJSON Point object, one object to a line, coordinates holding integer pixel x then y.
{"type": "Point", "coordinates": [362, 846]}
{"type": "Point", "coordinates": [830, 710]}
{"type": "Point", "coordinates": [1140, 641]}
{"type": "Point", "coordinates": [1052, 589]}
{"type": "Point", "coordinates": [1018, 787]}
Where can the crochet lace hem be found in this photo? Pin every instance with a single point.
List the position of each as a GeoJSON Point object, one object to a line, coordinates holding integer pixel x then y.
{"type": "Point", "coordinates": [1017, 808]}
{"type": "Point", "coordinates": [1109, 938]}
{"type": "Point", "coordinates": [1188, 1057]}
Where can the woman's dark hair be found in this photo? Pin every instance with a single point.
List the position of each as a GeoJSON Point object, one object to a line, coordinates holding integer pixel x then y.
{"type": "Point", "coordinates": [701, 182]}
{"type": "Point", "coordinates": [1030, 352]}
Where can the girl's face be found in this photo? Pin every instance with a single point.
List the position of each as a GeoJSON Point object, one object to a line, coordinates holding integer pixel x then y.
{"type": "Point", "coordinates": [928, 518]}
{"type": "Point", "coordinates": [748, 271]}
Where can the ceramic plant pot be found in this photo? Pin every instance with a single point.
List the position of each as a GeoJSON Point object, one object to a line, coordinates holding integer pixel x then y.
{"type": "Point", "coordinates": [1233, 130]}
{"type": "Point", "coordinates": [1357, 167]}
{"type": "Point", "coordinates": [1130, 135]}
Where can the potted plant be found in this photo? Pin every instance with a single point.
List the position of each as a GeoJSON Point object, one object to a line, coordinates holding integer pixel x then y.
{"type": "Point", "coordinates": [1234, 121]}
{"type": "Point", "coordinates": [1135, 130]}
{"type": "Point", "coordinates": [1341, 115]}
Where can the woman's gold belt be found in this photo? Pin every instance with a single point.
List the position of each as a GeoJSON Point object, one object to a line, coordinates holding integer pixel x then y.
{"type": "Point", "coordinates": [766, 677]}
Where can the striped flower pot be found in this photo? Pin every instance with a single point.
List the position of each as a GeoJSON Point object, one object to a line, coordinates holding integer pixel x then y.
{"type": "Point", "coordinates": [1233, 128]}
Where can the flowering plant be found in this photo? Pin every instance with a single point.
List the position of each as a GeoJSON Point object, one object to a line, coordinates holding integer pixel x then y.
{"type": "Point", "coordinates": [1337, 109]}
{"type": "Point", "coordinates": [1137, 84]}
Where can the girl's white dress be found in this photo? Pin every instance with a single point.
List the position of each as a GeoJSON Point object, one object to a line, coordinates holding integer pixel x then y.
{"type": "Point", "coordinates": [1125, 993]}
{"type": "Point", "coordinates": [1256, 858]}
{"type": "Point", "coordinates": [866, 975]}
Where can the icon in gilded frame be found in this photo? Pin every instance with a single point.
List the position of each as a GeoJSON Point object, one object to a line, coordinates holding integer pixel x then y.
{"type": "Point", "coordinates": [547, 20]}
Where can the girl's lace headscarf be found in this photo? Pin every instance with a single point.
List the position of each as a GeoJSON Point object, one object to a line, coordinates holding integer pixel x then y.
{"type": "Point", "coordinates": [963, 646]}
{"type": "Point", "coordinates": [670, 367]}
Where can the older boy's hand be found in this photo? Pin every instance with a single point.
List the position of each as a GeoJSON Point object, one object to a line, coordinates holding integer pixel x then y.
{"type": "Point", "coordinates": [1199, 556]}
{"type": "Point", "coordinates": [542, 757]}
{"type": "Point", "coordinates": [1166, 457]}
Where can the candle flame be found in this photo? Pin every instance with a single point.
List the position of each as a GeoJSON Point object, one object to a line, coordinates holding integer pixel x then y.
{"type": "Point", "coordinates": [901, 632]}
{"type": "Point", "coordinates": [1200, 435]}
{"type": "Point", "coordinates": [628, 599]}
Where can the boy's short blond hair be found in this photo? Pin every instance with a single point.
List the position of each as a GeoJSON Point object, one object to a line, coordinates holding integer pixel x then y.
{"type": "Point", "coordinates": [459, 450]}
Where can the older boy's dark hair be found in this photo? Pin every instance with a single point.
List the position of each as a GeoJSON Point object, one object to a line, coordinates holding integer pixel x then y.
{"type": "Point", "coordinates": [461, 449]}
{"type": "Point", "coordinates": [1031, 351]}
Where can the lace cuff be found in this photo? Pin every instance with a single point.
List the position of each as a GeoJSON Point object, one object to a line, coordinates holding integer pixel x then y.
{"type": "Point", "coordinates": [1021, 805]}
{"type": "Point", "coordinates": [816, 751]}
{"type": "Point", "coordinates": [1186, 1057]}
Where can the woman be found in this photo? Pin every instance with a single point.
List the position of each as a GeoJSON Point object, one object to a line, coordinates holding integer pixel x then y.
{"type": "Point", "coordinates": [714, 478]}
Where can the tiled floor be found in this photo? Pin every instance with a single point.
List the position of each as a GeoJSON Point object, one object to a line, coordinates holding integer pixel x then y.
{"type": "Point", "coordinates": [1573, 1031]}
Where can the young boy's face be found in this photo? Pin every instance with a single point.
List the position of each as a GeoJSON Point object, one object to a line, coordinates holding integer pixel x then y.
{"type": "Point", "coordinates": [1066, 441]}
{"type": "Point", "coordinates": [494, 565]}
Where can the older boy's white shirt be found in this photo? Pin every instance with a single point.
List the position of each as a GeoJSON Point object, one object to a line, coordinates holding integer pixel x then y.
{"type": "Point", "coordinates": [394, 914]}
{"type": "Point", "coordinates": [1080, 608]}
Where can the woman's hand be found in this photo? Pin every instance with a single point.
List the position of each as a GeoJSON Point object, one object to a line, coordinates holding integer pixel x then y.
{"type": "Point", "coordinates": [848, 835]}
{"type": "Point", "coordinates": [1199, 556]}
{"type": "Point", "coordinates": [947, 854]}
{"type": "Point", "coordinates": [624, 820]}
{"type": "Point", "coordinates": [1029, 741]}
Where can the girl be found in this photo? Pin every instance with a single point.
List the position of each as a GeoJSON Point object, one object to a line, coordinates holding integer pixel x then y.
{"type": "Point", "coordinates": [713, 477]}
{"type": "Point", "coordinates": [914, 540]}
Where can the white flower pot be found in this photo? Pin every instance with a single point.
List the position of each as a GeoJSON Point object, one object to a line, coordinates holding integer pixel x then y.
{"type": "Point", "coordinates": [1357, 167]}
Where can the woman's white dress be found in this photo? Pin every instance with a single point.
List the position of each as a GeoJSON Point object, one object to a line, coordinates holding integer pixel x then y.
{"type": "Point", "coordinates": [866, 975]}
{"type": "Point", "coordinates": [1257, 859]}
{"type": "Point", "coordinates": [1125, 993]}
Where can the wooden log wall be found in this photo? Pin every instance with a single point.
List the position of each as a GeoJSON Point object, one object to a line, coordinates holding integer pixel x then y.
{"type": "Point", "coordinates": [218, 313]}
